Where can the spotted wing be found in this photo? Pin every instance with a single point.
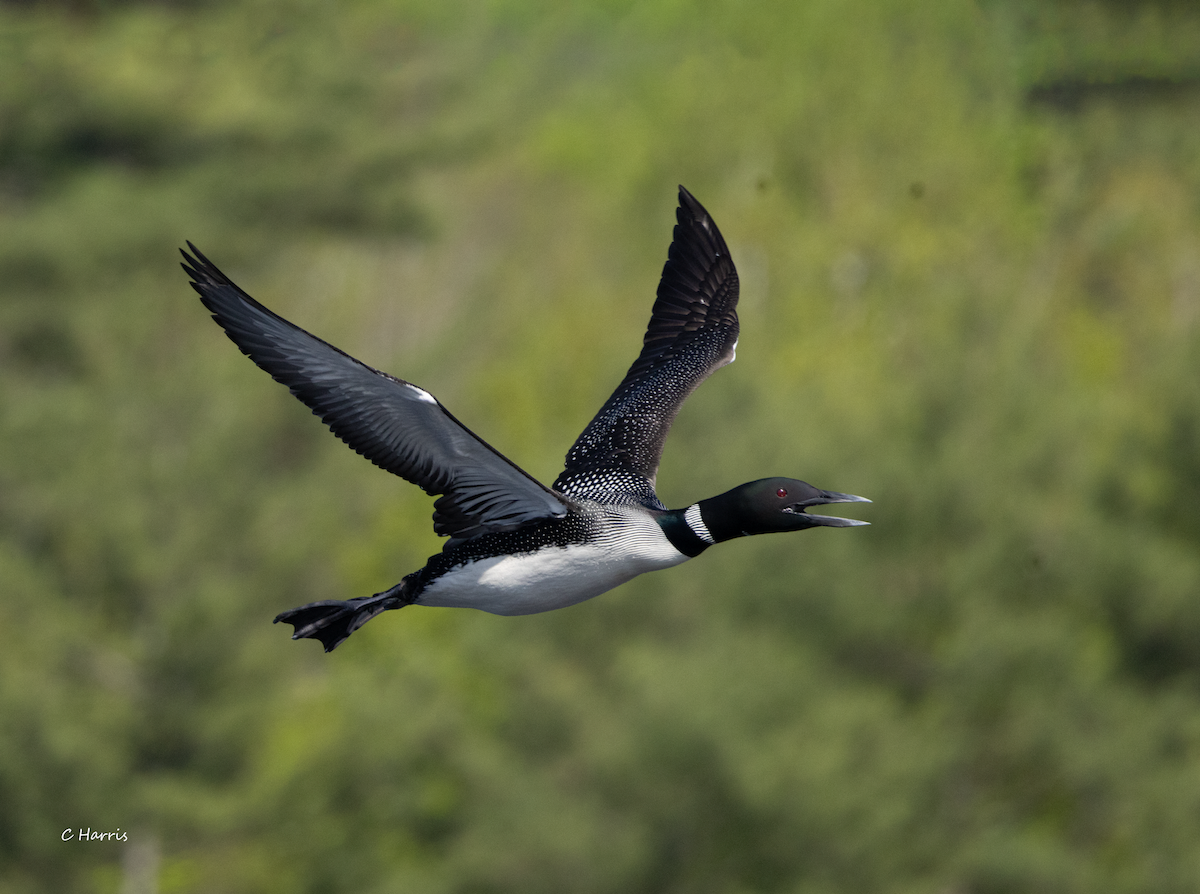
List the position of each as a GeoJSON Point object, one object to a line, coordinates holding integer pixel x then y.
{"type": "Point", "coordinates": [693, 331]}
{"type": "Point", "coordinates": [394, 424]}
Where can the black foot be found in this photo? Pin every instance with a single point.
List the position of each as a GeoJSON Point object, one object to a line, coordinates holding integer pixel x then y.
{"type": "Point", "coordinates": [332, 621]}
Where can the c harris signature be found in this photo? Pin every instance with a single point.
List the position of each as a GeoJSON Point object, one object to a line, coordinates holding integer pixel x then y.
{"type": "Point", "coordinates": [89, 834]}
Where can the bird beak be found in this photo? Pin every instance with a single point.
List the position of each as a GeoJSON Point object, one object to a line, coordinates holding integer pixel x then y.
{"type": "Point", "coordinates": [833, 521]}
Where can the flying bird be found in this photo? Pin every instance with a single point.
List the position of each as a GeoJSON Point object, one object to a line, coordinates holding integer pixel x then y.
{"type": "Point", "coordinates": [515, 546]}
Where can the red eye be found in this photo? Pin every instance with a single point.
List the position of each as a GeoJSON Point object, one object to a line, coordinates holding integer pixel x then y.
{"type": "Point", "coordinates": [781, 493]}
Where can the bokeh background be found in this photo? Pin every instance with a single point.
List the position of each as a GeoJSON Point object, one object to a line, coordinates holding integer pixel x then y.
{"type": "Point", "coordinates": [969, 240]}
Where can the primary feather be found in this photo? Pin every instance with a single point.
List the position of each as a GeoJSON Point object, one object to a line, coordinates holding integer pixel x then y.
{"type": "Point", "coordinates": [398, 426]}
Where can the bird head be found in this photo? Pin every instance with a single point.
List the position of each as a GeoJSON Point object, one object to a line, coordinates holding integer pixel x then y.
{"type": "Point", "coordinates": [773, 504]}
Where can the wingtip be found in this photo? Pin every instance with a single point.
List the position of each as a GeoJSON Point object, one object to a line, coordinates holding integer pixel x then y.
{"type": "Point", "coordinates": [203, 271]}
{"type": "Point", "coordinates": [690, 210]}
{"type": "Point", "coordinates": [197, 256]}
{"type": "Point", "coordinates": [192, 263]}
{"type": "Point", "coordinates": [688, 201]}
{"type": "Point", "coordinates": [189, 264]}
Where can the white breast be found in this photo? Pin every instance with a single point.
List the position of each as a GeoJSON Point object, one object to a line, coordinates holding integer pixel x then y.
{"type": "Point", "coordinates": [555, 577]}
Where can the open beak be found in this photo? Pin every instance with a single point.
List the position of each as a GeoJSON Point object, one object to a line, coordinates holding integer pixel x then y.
{"type": "Point", "coordinates": [833, 521]}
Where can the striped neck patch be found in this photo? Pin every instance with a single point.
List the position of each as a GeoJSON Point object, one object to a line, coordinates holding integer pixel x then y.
{"type": "Point", "coordinates": [696, 522]}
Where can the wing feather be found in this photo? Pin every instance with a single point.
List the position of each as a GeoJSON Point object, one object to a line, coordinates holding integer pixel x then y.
{"type": "Point", "coordinates": [693, 331]}
{"type": "Point", "coordinates": [396, 425]}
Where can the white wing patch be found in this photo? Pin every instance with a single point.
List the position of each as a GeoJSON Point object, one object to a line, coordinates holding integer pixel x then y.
{"type": "Point", "coordinates": [421, 393]}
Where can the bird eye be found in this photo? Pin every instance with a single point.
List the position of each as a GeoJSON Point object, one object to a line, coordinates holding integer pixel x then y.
{"type": "Point", "coordinates": [781, 493]}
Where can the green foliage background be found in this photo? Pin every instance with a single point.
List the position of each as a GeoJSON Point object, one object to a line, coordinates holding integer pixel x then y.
{"type": "Point", "coordinates": [969, 235]}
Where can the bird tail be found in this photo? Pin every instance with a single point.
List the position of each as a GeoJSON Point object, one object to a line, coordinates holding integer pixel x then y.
{"type": "Point", "coordinates": [332, 621]}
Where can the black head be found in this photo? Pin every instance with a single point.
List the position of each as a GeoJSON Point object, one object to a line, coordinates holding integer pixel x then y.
{"type": "Point", "coordinates": [773, 504]}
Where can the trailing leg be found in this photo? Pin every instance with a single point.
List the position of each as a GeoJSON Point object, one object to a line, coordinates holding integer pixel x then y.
{"type": "Point", "coordinates": [332, 621]}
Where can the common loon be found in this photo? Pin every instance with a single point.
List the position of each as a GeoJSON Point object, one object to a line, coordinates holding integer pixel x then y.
{"type": "Point", "coordinates": [518, 547]}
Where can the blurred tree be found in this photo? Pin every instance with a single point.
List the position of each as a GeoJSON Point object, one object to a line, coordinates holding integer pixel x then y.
{"type": "Point", "coordinates": [968, 241]}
